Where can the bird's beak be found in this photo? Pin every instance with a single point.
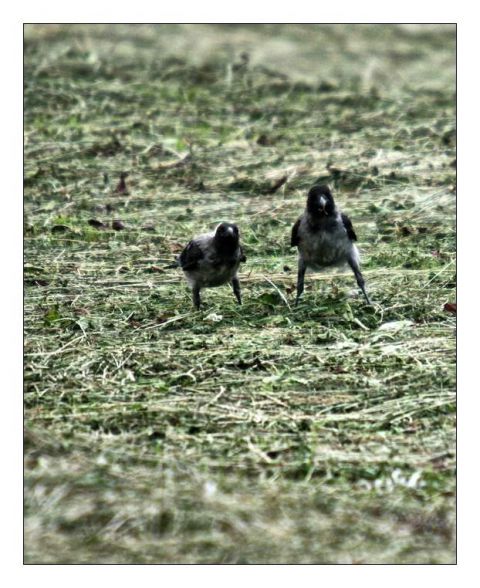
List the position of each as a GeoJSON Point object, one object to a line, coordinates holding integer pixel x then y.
{"type": "Point", "coordinates": [230, 231]}
{"type": "Point", "coordinates": [322, 203]}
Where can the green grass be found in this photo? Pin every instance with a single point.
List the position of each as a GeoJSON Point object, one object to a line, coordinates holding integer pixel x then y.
{"type": "Point", "coordinates": [256, 434]}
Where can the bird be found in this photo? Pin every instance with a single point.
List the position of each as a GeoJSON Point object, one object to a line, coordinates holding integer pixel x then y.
{"type": "Point", "coordinates": [212, 259]}
{"type": "Point", "coordinates": [325, 238]}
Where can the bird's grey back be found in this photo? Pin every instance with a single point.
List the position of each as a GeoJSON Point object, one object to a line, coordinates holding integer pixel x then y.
{"type": "Point", "coordinates": [212, 270]}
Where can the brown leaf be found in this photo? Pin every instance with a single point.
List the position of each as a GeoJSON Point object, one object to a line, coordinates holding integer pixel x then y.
{"type": "Point", "coordinates": [450, 307]}
{"type": "Point", "coordinates": [122, 185]}
{"type": "Point", "coordinates": [175, 247]}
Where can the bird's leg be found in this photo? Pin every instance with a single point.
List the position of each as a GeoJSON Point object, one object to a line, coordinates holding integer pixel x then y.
{"type": "Point", "coordinates": [236, 289]}
{"type": "Point", "coordinates": [196, 297]}
{"type": "Point", "coordinates": [353, 263]}
{"type": "Point", "coordinates": [300, 279]}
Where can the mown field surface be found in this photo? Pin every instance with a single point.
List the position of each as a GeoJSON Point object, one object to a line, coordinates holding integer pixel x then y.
{"type": "Point", "coordinates": [256, 434]}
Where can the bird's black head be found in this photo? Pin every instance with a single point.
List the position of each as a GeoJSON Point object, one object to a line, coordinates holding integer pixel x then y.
{"type": "Point", "coordinates": [320, 201]}
{"type": "Point", "coordinates": [226, 238]}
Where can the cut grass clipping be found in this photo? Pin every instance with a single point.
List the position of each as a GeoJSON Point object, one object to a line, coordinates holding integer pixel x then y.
{"type": "Point", "coordinates": [256, 434]}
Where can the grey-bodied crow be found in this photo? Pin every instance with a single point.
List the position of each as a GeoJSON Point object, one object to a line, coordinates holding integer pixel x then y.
{"type": "Point", "coordinates": [325, 237]}
{"type": "Point", "coordinates": [212, 259]}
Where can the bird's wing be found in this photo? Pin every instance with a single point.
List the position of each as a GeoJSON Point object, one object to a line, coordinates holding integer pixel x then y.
{"type": "Point", "coordinates": [190, 256]}
{"type": "Point", "coordinates": [295, 236]}
{"type": "Point", "coordinates": [347, 223]}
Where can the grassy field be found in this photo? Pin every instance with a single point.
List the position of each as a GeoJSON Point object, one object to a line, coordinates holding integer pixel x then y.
{"type": "Point", "coordinates": [256, 434]}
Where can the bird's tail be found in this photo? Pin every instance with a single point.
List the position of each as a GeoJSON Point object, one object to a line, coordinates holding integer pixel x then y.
{"type": "Point", "coordinates": [173, 265]}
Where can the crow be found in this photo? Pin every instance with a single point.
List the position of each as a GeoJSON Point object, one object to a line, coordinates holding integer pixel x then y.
{"type": "Point", "coordinates": [325, 238]}
{"type": "Point", "coordinates": [212, 259]}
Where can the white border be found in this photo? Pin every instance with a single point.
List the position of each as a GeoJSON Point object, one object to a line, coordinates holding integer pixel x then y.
{"type": "Point", "coordinates": [11, 292]}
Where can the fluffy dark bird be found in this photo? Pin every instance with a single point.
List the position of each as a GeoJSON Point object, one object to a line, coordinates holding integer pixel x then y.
{"type": "Point", "coordinates": [325, 238]}
{"type": "Point", "coordinates": [213, 259]}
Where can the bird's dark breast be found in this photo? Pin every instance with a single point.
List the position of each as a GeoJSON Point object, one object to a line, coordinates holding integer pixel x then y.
{"type": "Point", "coordinates": [223, 273]}
{"type": "Point", "coordinates": [323, 248]}
{"type": "Point", "coordinates": [227, 263]}
{"type": "Point", "coordinates": [211, 273]}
